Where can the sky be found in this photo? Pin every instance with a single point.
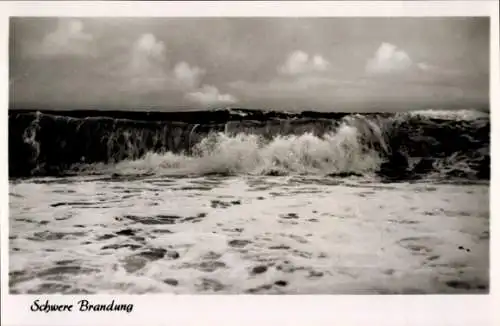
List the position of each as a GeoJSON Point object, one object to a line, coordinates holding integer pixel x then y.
{"type": "Point", "coordinates": [324, 64]}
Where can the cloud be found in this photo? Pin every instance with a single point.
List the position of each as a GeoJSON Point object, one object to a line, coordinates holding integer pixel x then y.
{"type": "Point", "coordinates": [299, 62]}
{"type": "Point", "coordinates": [209, 95]}
{"type": "Point", "coordinates": [301, 76]}
{"type": "Point", "coordinates": [147, 69]}
{"type": "Point", "coordinates": [392, 78]}
{"type": "Point", "coordinates": [149, 45]}
{"type": "Point", "coordinates": [68, 39]}
{"type": "Point", "coordinates": [187, 75]}
{"type": "Point", "coordinates": [144, 68]}
{"type": "Point", "coordinates": [300, 73]}
{"type": "Point", "coordinates": [389, 59]}
{"type": "Point", "coordinates": [147, 56]}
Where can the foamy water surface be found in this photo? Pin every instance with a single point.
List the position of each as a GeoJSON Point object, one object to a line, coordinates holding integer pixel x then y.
{"type": "Point", "coordinates": [247, 234]}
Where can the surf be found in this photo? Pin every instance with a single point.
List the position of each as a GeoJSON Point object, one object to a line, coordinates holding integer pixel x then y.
{"type": "Point", "coordinates": [446, 144]}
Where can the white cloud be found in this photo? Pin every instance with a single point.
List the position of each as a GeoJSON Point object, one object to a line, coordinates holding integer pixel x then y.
{"type": "Point", "coordinates": [149, 45]}
{"type": "Point", "coordinates": [147, 56]}
{"type": "Point", "coordinates": [145, 67]}
{"type": "Point", "coordinates": [299, 62]}
{"type": "Point", "coordinates": [149, 70]}
{"type": "Point", "coordinates": [209, 95]}
{"type": "Point", "coordinates": [299, 76]}
{"type": "Point", "coordinates": [68, 39]}
{"type": "Point", "coordinates": [391, 60]}
{"type": "Point", "coordinates": [187, 75]}
{"type": "Point", "coordinates": [388, 59]}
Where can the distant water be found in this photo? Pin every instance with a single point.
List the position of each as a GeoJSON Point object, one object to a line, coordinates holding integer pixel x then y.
{"type": "Point", "coordinates": [250, 202]}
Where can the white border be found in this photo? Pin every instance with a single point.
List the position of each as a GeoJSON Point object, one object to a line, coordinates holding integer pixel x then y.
{"type": "Point", "coordinates": [249, 310]}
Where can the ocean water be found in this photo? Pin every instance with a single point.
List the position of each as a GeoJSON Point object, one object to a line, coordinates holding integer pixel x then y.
{"type": "Point", "coordinates": [379, 204]}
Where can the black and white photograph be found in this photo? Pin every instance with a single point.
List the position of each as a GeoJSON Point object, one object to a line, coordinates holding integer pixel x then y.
{"type": "Point", "coordinates": [249, 155]}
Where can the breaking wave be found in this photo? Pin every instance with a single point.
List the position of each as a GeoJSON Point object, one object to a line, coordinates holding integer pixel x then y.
{"type": "Point", "coordinates": [443, 144]}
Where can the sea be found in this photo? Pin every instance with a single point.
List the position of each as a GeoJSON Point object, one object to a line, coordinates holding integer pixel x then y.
{"type": "Point", "coordinates": [237, 201]}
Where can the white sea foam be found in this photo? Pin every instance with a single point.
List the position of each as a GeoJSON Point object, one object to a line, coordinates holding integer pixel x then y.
{"type": "Point", "coordinates": [313, 235]}
{"type": "Point", "coordinates": [342, 151]}
{"type": "Point", "coordinates": [450, 114]}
